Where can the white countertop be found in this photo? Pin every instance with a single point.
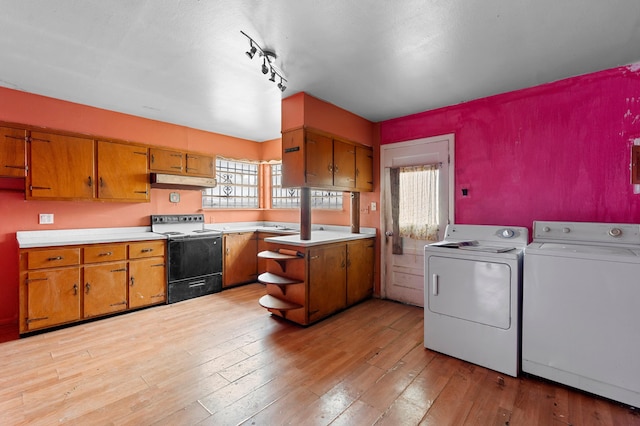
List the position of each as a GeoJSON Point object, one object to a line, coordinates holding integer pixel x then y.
{"type": "Point", "coordinates": [64, 237]}
{"type": "Point", "coordinates": [319, 238]}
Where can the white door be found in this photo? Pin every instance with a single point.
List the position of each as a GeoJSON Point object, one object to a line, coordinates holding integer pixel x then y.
{"type": "Point", "coordinates": [403, 274]}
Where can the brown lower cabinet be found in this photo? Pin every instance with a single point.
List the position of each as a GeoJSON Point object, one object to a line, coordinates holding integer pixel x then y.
{"type": "Point", "coordinates": [62, 285]}
{"type": "Point", "coordinates": [240, 264]}
{"type": "Point", "coordinates": [317, 281]}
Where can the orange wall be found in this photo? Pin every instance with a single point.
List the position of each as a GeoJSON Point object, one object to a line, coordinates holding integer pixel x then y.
{"type": "Point", "coordinates": [321, 115]}
{"type": "Point", "coordinates": [18, 214]}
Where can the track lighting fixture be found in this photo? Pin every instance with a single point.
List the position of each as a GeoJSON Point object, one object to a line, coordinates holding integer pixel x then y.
{"type": "Point", "coordinates": [268, 61]}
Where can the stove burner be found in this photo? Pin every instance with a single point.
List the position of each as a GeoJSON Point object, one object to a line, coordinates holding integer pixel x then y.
{"type": "Point", "coordinates": [172, 233]}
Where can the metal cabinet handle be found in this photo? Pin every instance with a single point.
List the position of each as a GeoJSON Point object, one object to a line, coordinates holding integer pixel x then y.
{"type": "Point", "coordinates": [132, 279]}
{"type": "Point", "coordinates": [106, 253]}
{"type": "Point", "coordinates": [90, 181]}
{"type": "Point", "coordinates": [146, 250]}
{"type": "Point", "coordinates": [87, 287]}
{"type": "Point", "coordinates": [75, 289]}
{"type": "Point", "coordinates": [51, 259]}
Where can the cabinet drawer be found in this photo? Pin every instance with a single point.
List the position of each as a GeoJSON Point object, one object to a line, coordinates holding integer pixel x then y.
{"type": "Point", "coordinates": [105, 253]}
{"type": "Point", "coordinates": [146, 249]}
{"type": "Point", "coordinates": [52, 258]}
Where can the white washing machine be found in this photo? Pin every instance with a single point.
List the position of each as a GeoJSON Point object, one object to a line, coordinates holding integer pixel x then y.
{"type": "Point", "coordinates": [581, 307]}
{"type": "Point", "coordinates": [473, 282]}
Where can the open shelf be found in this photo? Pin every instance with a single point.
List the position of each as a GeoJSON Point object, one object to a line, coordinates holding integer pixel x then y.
{"type": "Point", "coordinates": [269, 278]}
{"type": "Point", "coordinates": [270, 302]}
{"type": "Point", "coordinates": [268, 254]}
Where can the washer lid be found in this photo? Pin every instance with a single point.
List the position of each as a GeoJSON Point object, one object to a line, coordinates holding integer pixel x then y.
{"type": "Point", "coordinates": [584, 251]}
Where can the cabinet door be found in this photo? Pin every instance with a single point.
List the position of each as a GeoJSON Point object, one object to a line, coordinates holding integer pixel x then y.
{"type": "Point", "coordinates": [327, 280]}
{"type": "Point", "coordinates": [105, 288]}
{"type": "Point", "coordinates": [164, 160]}
{"type": "Point", "coordinates": [360, 261]}
{"type": "Point", "coordinates": [53, 297]}
{"type": "Point", "coordinates": [364, 168]}
{"type": "Point", "coordinates": [122, 172]}
{"type": "Point", "coordinates": [200, 165]}
{"type": "Point", "coordinates": [147, 282]}
{"type": "Point", "coordinates": [60, 167]}
{"type": "Point", "coordinates": [240, 259]}
{"type": "Point", "coordinates": [13, 152]}
{"type": "Point", "coordinates": [319, 160]}
{"type": "Point", "coordinates": [293, 155]}
{"type": "Point", "coordinates": [344, 165]}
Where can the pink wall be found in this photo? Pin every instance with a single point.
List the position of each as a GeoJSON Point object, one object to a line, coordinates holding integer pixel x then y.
{"type": "Point", "coordinates": [560, 151]}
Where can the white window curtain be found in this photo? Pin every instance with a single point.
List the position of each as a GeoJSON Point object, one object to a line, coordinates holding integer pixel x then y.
{"type": "Point", "coordinates": [418, 202]}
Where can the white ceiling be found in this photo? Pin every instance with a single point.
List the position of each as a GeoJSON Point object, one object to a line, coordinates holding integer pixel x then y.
{"type": "Point", "coordinates": [184, 62]}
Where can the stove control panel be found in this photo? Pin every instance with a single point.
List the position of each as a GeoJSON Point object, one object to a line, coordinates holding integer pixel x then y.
{"type": "Point", "coordinates": [169, 219]}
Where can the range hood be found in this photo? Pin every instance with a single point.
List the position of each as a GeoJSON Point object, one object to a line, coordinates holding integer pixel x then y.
{"type": "Point", "coordinates": [168, 181]}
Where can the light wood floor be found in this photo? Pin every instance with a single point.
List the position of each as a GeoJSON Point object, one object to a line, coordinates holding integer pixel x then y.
{"type": "Point", "coordinates": [222, 359]}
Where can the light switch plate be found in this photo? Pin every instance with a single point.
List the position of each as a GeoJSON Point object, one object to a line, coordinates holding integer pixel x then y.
{"type": "Point", "coordinates": [174, 197]}
{"type": "Point", "coordinates": [45, 218]}
{"type": "Point", "coordinates": [374, 206]}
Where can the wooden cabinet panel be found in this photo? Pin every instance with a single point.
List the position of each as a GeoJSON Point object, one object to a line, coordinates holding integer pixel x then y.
{"type": "Point", "coordinates": [200, 165]}
{"type": "Point", "coordinates": [60, 167]}
{"type": "Point", "coordinates": [364, 168]}
{"type": "Point", "coordinates": [53, 297]}
{"type": "Point", "coordinates": [327, 280]}
{"type": "Point", "coordinates": [53, 258]}
{"type": "Point", "coordinates": [13, 152]}
{"type": "Point", "coordinates": [344, 164]}
{"type": "Point", "coordinates": [122, 172]}
{"type": "Point", "coordinates": [314, 159]}
{"type": "Point", "coordinates": [105, 288]}
{"type": "Point", "coordinates": [105, 253]}
{"type": "Point", "coordinates": [360, 261]}
{"type": "Point", "coordinates": [293, 159]}
{"type": "Point", "coordinates": [164, 160]}
{"type": "Point", "coordinates": [147, 282]}
{"type": "Point", "coordinates": [319, 160]}
{"type": "Point", "coordinates": [240, 258]}
{"type": "Point", "coordinates": [146, 249]}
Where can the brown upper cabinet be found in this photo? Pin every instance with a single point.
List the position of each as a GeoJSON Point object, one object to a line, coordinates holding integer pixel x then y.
{"type": "Point", "coordinates": [181, 163]}
{"type": "Point", "coordinates": [61, 167]}
{"type": "Point", "coordinates": [318, 160]}
{"type": "Point", "coordinates": [13, 161]}
{"type": "Point", "coordinates": [122, 172]}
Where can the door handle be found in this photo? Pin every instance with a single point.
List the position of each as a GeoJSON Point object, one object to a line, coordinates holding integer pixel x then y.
{"type": "Point", "coordinates": [434, 285]}
{"type": "Point", "coordinates": [388, 233]}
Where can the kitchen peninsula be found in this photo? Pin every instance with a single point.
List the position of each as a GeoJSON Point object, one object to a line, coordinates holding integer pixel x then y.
{"type": "Point", "coordinates": [308, 280]}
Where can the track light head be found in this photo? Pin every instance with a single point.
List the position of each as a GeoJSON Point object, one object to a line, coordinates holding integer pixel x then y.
{"type": "Point", "coordinates": [251, 51]}
{"type": "Point", "coordinates": [273, 75]}
{"type": "Point", "coordinates": [264, 66]}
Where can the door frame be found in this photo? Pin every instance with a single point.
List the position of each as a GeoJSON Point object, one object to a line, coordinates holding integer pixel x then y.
{"type": "Point", "coordinates": [450, 138]}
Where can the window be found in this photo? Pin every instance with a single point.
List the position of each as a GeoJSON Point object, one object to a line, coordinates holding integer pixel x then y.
{"type": "Point", "coordinates": [289, 198]}
{"type": "Point", "coordinates": [237, 188]}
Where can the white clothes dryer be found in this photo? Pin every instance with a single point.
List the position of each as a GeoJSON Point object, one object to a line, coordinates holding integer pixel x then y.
{"type": "Point", "coordinates": [473, 282]}
{"type": "Point", "coordinates": [581, 321]}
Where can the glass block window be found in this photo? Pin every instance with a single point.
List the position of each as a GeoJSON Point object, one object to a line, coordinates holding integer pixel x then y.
{"type": "Point", "coordinates": [289, 198]}
{"type": "Point", "coordinates": [237, 188]}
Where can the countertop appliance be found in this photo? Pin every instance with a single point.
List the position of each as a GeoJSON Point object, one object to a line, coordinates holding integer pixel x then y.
{"type": "Point", "coordinates": [581, 321]}
{"type": "Point", "coordinates": [194, 255]}
{"type": "Point", "coordinates": [473, 282]}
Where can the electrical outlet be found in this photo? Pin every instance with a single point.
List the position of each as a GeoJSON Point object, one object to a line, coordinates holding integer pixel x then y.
{"type": "Point", "coordinates": [45, 219]}
{"type": "Point", "coordinates": [374, 206]}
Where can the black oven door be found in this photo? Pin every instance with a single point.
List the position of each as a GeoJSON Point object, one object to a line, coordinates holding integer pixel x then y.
{"type": "Point", "coordinates": [194, 257]}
